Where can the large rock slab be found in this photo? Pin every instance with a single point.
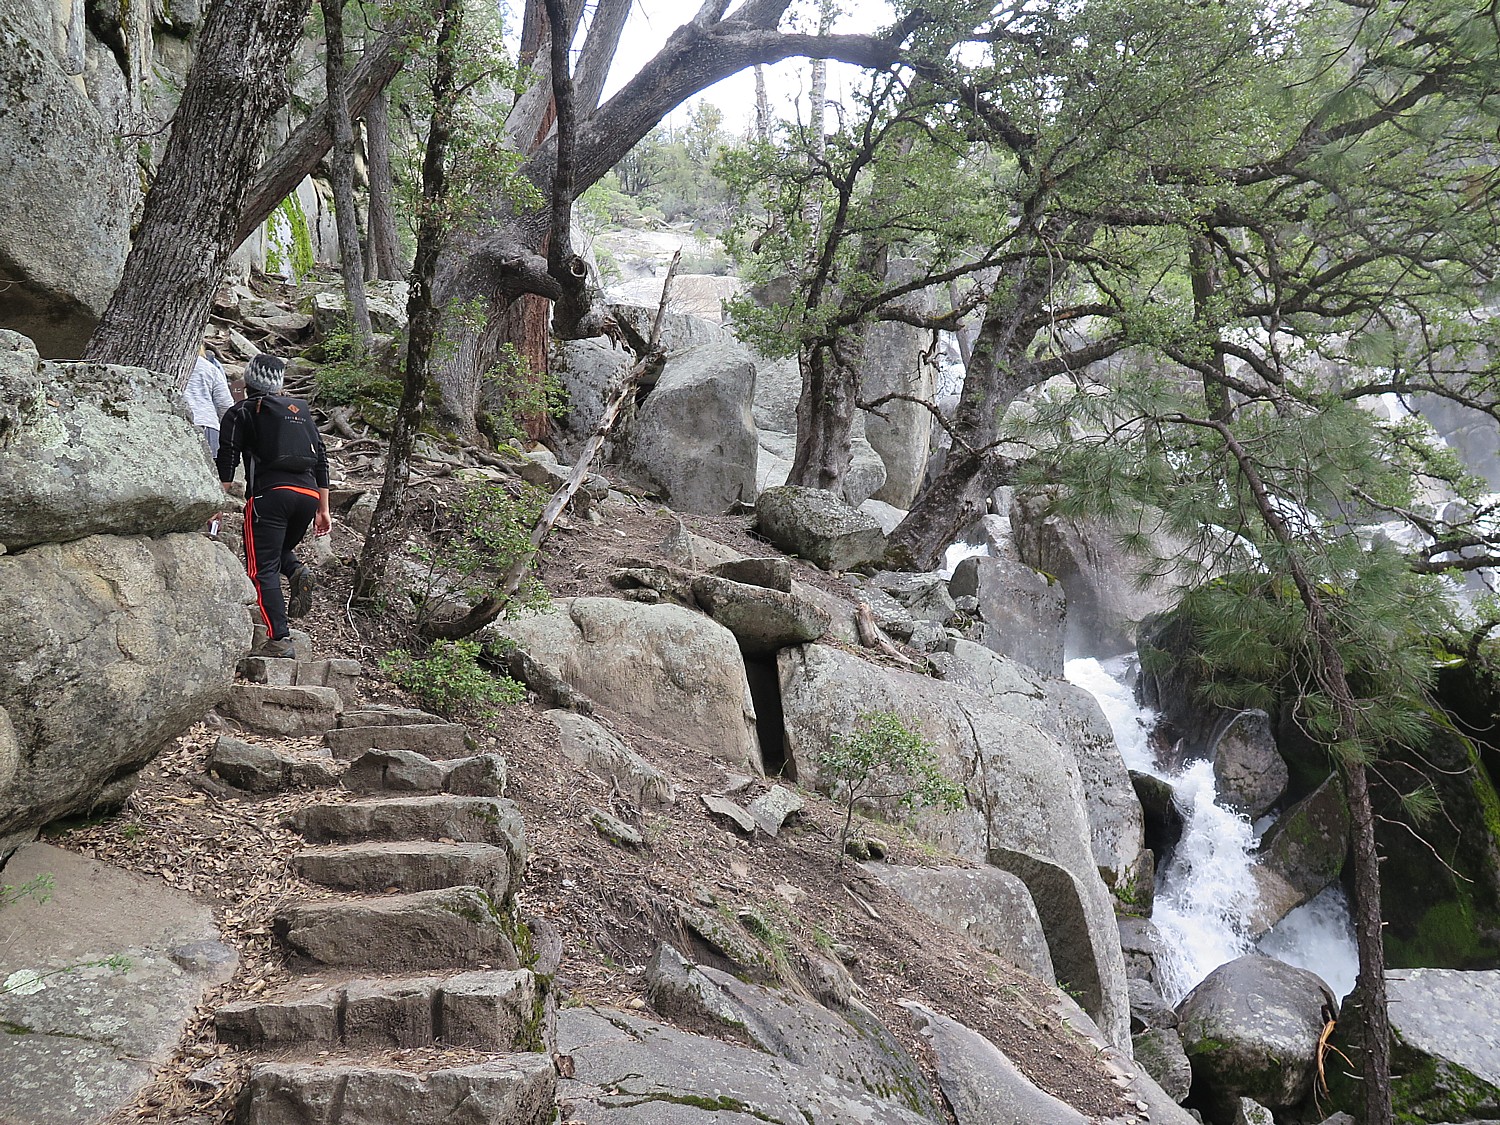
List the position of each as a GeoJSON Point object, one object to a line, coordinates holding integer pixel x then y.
{"type": "Point", "coordinates": [84, 1038]}
{"type": "Point", "coordinates": [694, 434]}
{"type": "Point", "coordinates": [864, 477]}
{"type": "Point", "coordinates": [1106, 600]}
{"type": "Point", "coordinates": [763, 621]}
{"type": "Point", "coordinates": [588, 745]}
{"type": "Point", "coordinates": [1023, 611]}
{"type": "Point", "coordinates": [111, 647]}
{"type": "Point", "coordinates": [515, 1090]}
{"type": "Point", "coordinates": [1251, 1031]}
{"type": "Point", "coordinates": [672, 670]}
{"type": "Point", "coordinates": [633, 1071]}
{"type": "Point", "coordinates": [1445, 1044]}
{"type": "Point", "coordinates": [1010, 770]}
{"type": "Point", "coordinates": [1072, 716]}
{"type": "Point", "coordinates": [819, 527]}
{"type": "Point", "coordinates": [988, 907]}
{"type": "Point", "coordinates": [68, 188]}
{"type": "Point", "coordinates": [980, 1083]}
{"type": "Point", "coordinates": [99, 450]}
{"type": "Point", "coordinates": [895, 359]}
{"type": "Point", "coordinates": [458, 927]}
{"type": "Point", "coordinates": [291, 712]}
{"type": "Point", "coordinates": [850, 1044]}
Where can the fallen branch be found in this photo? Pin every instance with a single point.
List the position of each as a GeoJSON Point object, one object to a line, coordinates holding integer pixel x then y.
{"type": "Point", "coordinates": [872, 636]}
{"type": "Point", "coordinates": [491, 606]}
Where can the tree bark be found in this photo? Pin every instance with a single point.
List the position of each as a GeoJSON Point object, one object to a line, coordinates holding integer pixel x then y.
{"type": "Point", "coordinates": [310, 141]}
{"type": "Point", "coordinates": [188, 227]}
{"type": "Point", "coordinates": [509, 260]}
{"type": "Point", "coordinates": [385, 243]}
{"type": "Point", "coordinates": [346, 214]}
{"type": "Point", "coordinates": [422, 309]}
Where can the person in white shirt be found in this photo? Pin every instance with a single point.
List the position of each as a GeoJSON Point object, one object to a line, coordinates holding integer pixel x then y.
{"type": "Point", "coordinates": [207, 396]}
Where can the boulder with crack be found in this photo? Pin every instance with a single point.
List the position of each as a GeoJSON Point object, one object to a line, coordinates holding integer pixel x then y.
{"type": "Point", "coordinates": [1010, 769]}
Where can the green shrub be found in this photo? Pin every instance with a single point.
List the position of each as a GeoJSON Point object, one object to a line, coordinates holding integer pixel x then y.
{"type": "Point", "coordinates": [884, 760]}
{"type": "Point", "coordinates": [449, 679]}
{"type": "Point", "coordinates": [346, 380]}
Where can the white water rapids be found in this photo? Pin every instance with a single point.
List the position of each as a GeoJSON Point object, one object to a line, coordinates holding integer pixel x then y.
{"type": "Point", "coordinates": [1206, 892]}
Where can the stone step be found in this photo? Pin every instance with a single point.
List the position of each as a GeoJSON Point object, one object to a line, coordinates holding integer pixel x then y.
{"type": "Point", "coordinates": [285, 710]}
{"type": "Point", "coordinates": [402, 771]}
{"type": "Point", "coordinates": [341, 675]}
{"type": "Point", "coordinates": [265, 769]}
{"type": "Point", "coordinates": [472, 820]}
{"type": "Point", "coordinates": [410, 865]}
{"type": "Point", "coordinates": [518, 1089]}
{"type": "Point", "coordinates": [387, 717]}
{"type": "Point", "coordinates": [506, 1010]}
{"type": "Point", "coordinates": [456, 927]}
{"type": "Point", "coordinates": [432, 740]}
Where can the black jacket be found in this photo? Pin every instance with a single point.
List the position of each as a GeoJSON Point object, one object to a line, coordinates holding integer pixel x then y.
{"type": "Point", "coordinates": [237, 439]}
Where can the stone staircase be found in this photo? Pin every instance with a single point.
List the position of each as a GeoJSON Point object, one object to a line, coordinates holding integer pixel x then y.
{"type": "Point", "coordinates": [420, 949]}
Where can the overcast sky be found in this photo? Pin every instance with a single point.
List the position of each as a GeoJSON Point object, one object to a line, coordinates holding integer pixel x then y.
{"type": "Point", "coordinates": [652, 21]}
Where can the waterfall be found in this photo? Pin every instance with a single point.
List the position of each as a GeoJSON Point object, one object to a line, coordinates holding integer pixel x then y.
{"type": "Point", "coordinates": [1206, 892]}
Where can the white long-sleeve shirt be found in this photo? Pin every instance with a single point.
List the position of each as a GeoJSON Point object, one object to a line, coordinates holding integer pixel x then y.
{"type": "Point", "coordinates": [207, 393]}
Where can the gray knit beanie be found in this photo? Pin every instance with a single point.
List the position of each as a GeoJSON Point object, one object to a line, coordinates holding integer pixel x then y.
{"type": "Point", "coordinates": [264, 375]}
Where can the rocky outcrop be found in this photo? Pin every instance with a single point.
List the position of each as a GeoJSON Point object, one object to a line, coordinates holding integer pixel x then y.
{"type": "Point", "coordinates": [1010, 770]}
{"type": "Point", "coordinates": [895, 359]}
{"type": "Point", "coordinates": [817, 526]}
{"type": "Point", "coordinates": [1072, 716]}
{"type": "Point", "coordinates": [96, 450]}
{"type": "Point", "coordinates": [1105, 601]}
{"type": "Point", "coordinates": [1251, 1030]}
{"type": "Point", "coordinates": [1022, 611]}
{"type": "Point", "coordinates": [83, 1033]}
{"type": "Point", "coordinates": [55, 145]}
{"type": "Point", "coordinates": [1307, 845]}
{"type": "Point", "coordinates": [628, 1070]}
{"type": "Point", "coordinates": [111, 647]}
{"type": "Point", "coordinates": [1250, 774]}
{"type": "Point", "coordinates": [670, 669]}
{"type": "Point", "coordinates": [694, 434]}
{"type": "Point", "coordinates": [1445, 1056]}
{"type": "Point", "coordinates": [778, 451]}
{"type": "Point", "coordinates": [849, 1044]}
{"type": "Point", "coordinates": [988, 907]}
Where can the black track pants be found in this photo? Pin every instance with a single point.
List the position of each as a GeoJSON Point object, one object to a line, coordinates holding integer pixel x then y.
{"type": "Point", "coordinates": [275, 522]}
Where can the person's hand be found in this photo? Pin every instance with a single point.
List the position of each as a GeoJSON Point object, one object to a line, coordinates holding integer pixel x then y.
{"type": "Point", "coordinates": [227, 485]}
{"type": "Point", "coordinates": [322, 522]}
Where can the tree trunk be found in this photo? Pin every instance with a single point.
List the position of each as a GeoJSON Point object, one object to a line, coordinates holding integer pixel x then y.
{"type": "Point", "coordinates": [999, 370]}
{"type": "Point", "coordinates": [311, 140]}
{"type": "Point", "coordinates": [385, 244]}
{"type": "Point", "coordinates": [422, 309]}
{"type": "Point", "coordinates": [762, 107]}
{"type": "Point", "coordinates": [1370, 991]}
{"type": "Point", "coordinates": [188, 227]}
{"type": "Point", "coordinates": [825, 421]}
{"type": "Point", "coordinates": [346, 214]}
{"type": "Point", "coordinates": [1205, 275]}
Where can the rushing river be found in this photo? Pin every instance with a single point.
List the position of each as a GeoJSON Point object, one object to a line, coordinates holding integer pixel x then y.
{"type": "Point", "coordinates": [1206, 892]}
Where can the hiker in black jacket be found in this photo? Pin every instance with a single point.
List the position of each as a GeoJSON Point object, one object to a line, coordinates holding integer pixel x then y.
{"type": "Point", "coordinates": [286, 488]}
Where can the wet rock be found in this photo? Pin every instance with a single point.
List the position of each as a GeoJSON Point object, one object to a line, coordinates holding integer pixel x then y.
{"type": "Point", "coordinates": [1251, 1030]}
{"type": "Point", "coordinates": [1309, 842]}
{"type": "Point", "coordinates": [1159, 1053]}
{"type": "Point", "coordinates": [1250, 775]}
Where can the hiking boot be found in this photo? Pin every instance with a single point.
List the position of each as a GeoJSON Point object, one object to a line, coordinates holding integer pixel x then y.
{"type": "Point", "coordinates": [302, 591]}
{"type": "Point", "coordinates": [275, 650]}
